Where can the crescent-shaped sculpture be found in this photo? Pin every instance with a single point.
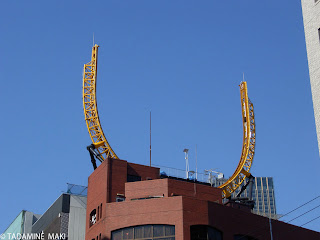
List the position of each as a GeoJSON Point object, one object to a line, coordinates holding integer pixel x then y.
{"type": "Point", "coordinates": [91, 111]}
{"type": "Point", "coordinates": [248, 145]}
{"type": "Point", "coordinates": [105, 151]}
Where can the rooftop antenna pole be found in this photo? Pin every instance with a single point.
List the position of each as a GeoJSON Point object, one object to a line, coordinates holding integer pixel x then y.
{"type": "Point", "coordinates": [93, 39]}
{"type": "Point", "coordinates": [187, 162]}
{"type": "Point", "coordinates": [150, 138]}
{"type": "Point", "coordinates": [196, 164]}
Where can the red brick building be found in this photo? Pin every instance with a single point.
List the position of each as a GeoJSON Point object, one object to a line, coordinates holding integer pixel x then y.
{"type": "Point", "coordinates": [131, 201]}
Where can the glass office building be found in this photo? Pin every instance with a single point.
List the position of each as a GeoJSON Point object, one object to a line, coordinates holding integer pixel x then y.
{"type": "Point", "coordinates": [262, 195]}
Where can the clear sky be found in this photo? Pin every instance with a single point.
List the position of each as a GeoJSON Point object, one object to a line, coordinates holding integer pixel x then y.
{"type": "Point", "coordinates": [182, 60]}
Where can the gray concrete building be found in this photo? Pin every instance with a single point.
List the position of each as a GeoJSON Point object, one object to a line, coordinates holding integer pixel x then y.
{"type": "Point", "coordinates": [66, 217]}
{"type": "Point", "coordinates": [311, 21]}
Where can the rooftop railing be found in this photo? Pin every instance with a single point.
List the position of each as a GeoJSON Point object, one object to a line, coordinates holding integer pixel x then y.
{"type": "Point", "coordinates": [77, 189]}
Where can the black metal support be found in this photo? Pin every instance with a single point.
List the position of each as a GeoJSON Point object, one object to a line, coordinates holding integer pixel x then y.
{"type": "Point", "coordinates": [244, 187]}
{"type": "Point", "coordinates": [251, 181]}
{"type": "Point", "coordinates": [246, 201]}
{"type": "Point", "coordinates": [93, 160]}
{"type": "Point", "coordinates": [93, 155]}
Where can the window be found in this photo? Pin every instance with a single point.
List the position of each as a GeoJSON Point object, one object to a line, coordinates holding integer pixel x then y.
{"type": "Point", "coordinates": [98, 237]}
{"type": "Point", "coordinates": [264, 182]}
{"type": "Point", "coordinates": [203, 232]}
{"type": "Point", "coordinates": [163, 232]}
{"type": "Point", "coordinates": [127, 233]}
{"type": "Point", "coordinates": [243, 237]}
{"type": "Point", "coordinates": [120, 199]}
{"type": "Point", "coordinates": [270, 182]}
{"type": "Point", "coordinates": [93, 217]}
{"type": "Point", "coordinates": [258, 182]}
{"type": "Point", "coordinates": [133, 178]}
{"type": "Point", "coordinates": [101, 210]}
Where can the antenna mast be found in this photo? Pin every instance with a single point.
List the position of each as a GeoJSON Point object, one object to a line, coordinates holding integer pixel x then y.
{"type": "Point", "coordinates": [186, 150]}
{"type": "Point", "coordinates": [150, 138]}
{"type": "Point", "coordinates": [196, 164]}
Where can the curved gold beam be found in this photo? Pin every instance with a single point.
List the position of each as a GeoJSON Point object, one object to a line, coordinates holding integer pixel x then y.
{"type": "Point", "coordinates": [90, 108]}
{"type": "Point", "coordinates": [248, 146]}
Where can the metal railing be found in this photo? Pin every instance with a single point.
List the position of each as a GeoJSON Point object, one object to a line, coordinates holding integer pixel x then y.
{"type": "Point", "coordinates": [208, 176]}
{"type": "Point", "coordinates": [77, 189]}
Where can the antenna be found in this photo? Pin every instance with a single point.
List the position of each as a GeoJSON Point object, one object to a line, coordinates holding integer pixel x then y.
{"type": "Point", "coordinates": [93, 39]}
{"type": "Point", "coordinates": [150, 138]}
{"type": "Point", "coordinates": [243, 76]}
{"type": "Point", "coordinates": [186, 150]}
{"type": "Point", "coordinates": [196, 164]}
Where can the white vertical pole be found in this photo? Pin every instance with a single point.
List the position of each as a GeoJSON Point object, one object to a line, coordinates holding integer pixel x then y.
{"type": "Point", "coordinates": [196, 164]}
{"type": "Point", "coordinates": [187, 166]}
{"type": "Point", "coordinates": [187, 162]}
{"type": "Point", "coordinates": [150, 138]}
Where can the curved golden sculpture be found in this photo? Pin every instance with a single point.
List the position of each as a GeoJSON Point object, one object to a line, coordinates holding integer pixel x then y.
{"type": "Point", "coordinates": [105, 151]}
{"type": "Point", "coordinates": [91, 111]}
{"type": "Point", "coordinates": [248, 146]}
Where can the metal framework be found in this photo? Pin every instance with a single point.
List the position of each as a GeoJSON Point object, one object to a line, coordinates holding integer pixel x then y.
{"type": "Point", "coordinates": [248, 146]}
{"type": "Point", "coordinates": [102, 149]}
{"type": "Point", "coordinates": [98, 138]}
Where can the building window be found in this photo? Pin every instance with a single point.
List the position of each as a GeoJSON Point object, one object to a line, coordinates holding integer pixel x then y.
{"type": "Point", "coordinates": [101, 210]}
{"type": "Point", "coordinates": [93, 217]}
{"type": "Point", "coordinates": [133, 178]}
{"type": "Point", "coordinates": [203, 232]}
{"type": "Point", "coordinates": [243, 237]}
{"type": "Point", "coordinates": [120, 199]}
{"type": "Point", "coordinates": [164, 232]}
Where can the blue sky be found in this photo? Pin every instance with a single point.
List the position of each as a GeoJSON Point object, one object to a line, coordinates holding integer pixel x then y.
{"type": "Point", "coordinates": [182, 60]}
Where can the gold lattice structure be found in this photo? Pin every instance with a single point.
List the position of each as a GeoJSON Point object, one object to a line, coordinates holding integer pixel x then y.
{"type": "Point", "coordinates": [105, 151]}
{"type": "Point", "coordinates": [91, 111]}
{"type": "Point", "coordinates": [248, 146]}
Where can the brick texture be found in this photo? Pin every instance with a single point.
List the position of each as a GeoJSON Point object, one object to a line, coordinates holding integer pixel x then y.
{"type": "Point", "coordinates": [170, 201]}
